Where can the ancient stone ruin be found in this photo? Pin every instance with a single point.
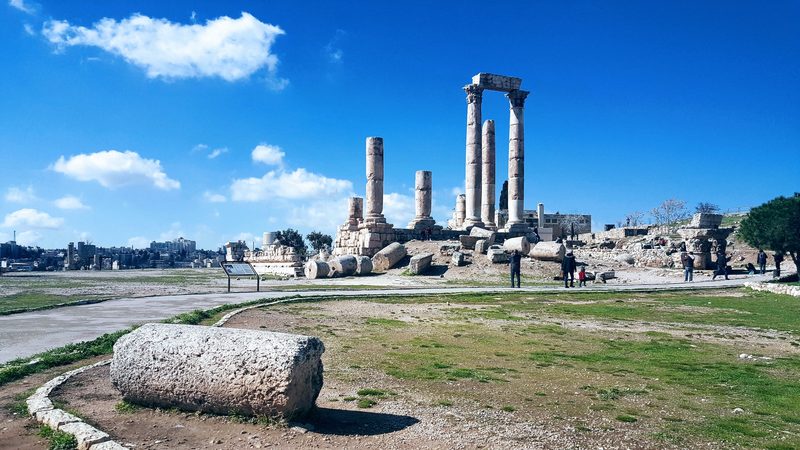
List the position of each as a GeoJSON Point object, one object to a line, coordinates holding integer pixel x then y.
{"type": "Point", "coordinates": [219, 370]}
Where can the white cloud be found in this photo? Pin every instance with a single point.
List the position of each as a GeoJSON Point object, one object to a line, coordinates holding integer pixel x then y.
{"type": "Point", "coordinates": [248, 238]}
{"type": "Point", "coordinates": [70, 202]}
{"type": "Point", "coordinates": [31, 218]}
{"type": "Point", "coordinates": [112, 169]}
{"type": "Point", "coordinates": [332, 48]}
{"type": "Point", "coordinates": [279, 184]}
{"type": "Point", "coordinates": [456, 191]}
{"type": "Point", "coordinates": [17, 195]}
{"type": "Point", "coordinates": [231, 49]}
{"type": "Point", "coordinates": [213, 198]}
{"type": "Point", "coordinates": [175, 231]}
{"type": "Point", "coordinates": [216, 152]}
{"type": "Point", "coordinates": [268, 154]}
{"type": "Point", "coordinates": [324, 216]}
{"type": "Point", "coordinates": [29, 29]}
{"type": "Point", "coordinates": [398, 209]}
{"type": "Point", "coordinates": [28, 237]}
{"type": "Point", "coordinates": [139, 242]}
{"type": "Point", "coordinates": [20, 5]}
{"type": "Point", "coordinates": [200, 148]}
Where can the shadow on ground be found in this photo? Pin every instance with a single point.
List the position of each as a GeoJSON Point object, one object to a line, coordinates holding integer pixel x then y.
{"type": "Point", "coordinates": [361, 423]}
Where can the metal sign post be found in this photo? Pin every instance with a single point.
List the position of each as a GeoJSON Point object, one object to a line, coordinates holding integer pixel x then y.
{"type": "Point", "coordinates": [240, 269]}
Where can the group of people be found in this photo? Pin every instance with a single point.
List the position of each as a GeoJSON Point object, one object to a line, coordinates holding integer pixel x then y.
{"type": "Point", "coordinates": [687, 259]}
{"type": "Point", "coordinates": [568, 267]}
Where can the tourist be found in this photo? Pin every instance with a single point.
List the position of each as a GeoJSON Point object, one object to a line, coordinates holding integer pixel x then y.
{"type": "Point", "coordinates": [778, 260]}
{"type": "Point", "coordinates": [516, 259]}
{"type": "Point", "coordinates": [568, 269]}
{"type": "Point", "coordinates": [722, 265]}
{"type": "Point", "coordinates": [688, 267]}
{"type": "Point", "coordinates": [582, 277]}
{"type": "Point", "coordinates": [751, 269]}
{"type": "Point", "coordinates": [761, 259]}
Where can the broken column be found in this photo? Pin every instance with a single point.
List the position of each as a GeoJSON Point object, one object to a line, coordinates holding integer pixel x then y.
{"type": "Point", "coordinates": [375, 180]}
{"type": "Point", "coordinates": [488, 175]}
{"type": "Point", "coordinates": [516, 161]}
{"type": "Point", "coordinates": [388, 257]}
{"type": "Point", "coordinates": [461, 205]}
{"type": "Point", "coordinates": [540, 215]}
{"type": "Point", "coordinates": [473, 161]}
{"type": "Point", "coordinates": [355, 213]}
{"type": "Point", "coordinates": [422, 198]}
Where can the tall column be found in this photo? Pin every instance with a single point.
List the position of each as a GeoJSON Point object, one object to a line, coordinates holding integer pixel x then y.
{"type": "Point", "coordinates": [473, 166]}
{"type": "Point", "coordinates": [375, 180]}
{"type": "Point", "coordinates": [488, 175]}
{"type": "Point", "coordinates": [516, 161]}
{"type": "Point", "coordinates": [423, 184]}
{"type": "Point", "coordinates": [461, 203]}
{"type": "Point", "coordinates": [540, 215]}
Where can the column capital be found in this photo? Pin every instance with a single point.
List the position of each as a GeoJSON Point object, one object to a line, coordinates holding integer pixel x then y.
{"type": "Point", "coordinates": [517, 98]}
{"type": "Point", "coordinates": [474, 93]}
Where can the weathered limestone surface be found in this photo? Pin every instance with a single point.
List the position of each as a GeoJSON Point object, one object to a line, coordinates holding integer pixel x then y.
{"type": "Point", "coordinates": [343, 266]}
{"type": "Point", "coordinates": [496, 254]}
{"type": "Point", "coordinates": [496, 82]}
{"type": "Point", "coordinates": [516, 161]}
{"type": "Point", "coordinates": [488, 175]}
{"type": "Point", "coordinates": [387, 257]}
{"type": "Point", "coordinates": [316, 268]}
{"type": "Point", "coordinates": [481, 246]}
{"type": "Point", "coordinates": [704, 220]}
{"type": "Point", "coordinates": [219, 370]}
{"type": "Point", "coordinates": [461, 210]}
{"type": "Point", "coordinates": [363, 265]}
{"type": "Point", "coordinates": [468, 242]}
{"type": "Point", "coordinates": [458, 259]}
{"type": "Point", "coordinates": [86, 435]}
{"type": "Point", "coordinates": [482, 233]}
{"type": "Point", "coordinates": [420, 263]}
{"type": "Point", "coordinates": [473, 160]}
{"type": "Point", "coordinates": [548, 251]}
{"type": "Point", "coordinates": [423, 185]}
{"type": "Point", "coordinates": [519, 244]}
{"type": "Point", "coordinates": [375, 180]}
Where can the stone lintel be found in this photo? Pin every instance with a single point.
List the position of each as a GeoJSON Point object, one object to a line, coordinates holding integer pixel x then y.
{"type": "Point", "coordinates": [496, 82]}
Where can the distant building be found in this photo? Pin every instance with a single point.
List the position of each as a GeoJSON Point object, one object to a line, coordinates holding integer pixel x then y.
{"type": "Point", "coordinates": [175, 246]}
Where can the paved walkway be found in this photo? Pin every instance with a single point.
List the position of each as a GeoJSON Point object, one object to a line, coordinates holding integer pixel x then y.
{"type": "Point", "coordinates": [26, 334]}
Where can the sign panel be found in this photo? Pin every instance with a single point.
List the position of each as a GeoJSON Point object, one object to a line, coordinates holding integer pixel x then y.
{"type": "Point", "coordinates": [239, 269]}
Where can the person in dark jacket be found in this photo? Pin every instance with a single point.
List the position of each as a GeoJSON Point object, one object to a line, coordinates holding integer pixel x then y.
{"type": "Point", "coordinates": [761, 259]}
{"type": "Point", "coordinates": [688, 267]}
{"type": "Point", "coordinates": [516, 260]}
{"type": "Point", "coordinates": [568, 269]}
{"type": "Point", "coordinates": [722, 266]}
{"type": "Point", "coordinates": [778, 260]}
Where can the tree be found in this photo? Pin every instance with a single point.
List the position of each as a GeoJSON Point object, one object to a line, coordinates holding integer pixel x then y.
{"type": "Point", "coordinates": [775, 225]}
{"type": "Point", "coordinates": [634, 218]}
{"type": "Point", "coordinates": [669, 212]}
{"type": "Point", "coordinates": [292, 238]}
{"type": "Point", "coordinates": [706, 208]}
{"type": "Point", "coordinates": [319, 241]}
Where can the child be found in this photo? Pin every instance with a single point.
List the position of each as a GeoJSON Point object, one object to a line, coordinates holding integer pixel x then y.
{"type": "Point", "coordinates": [582, 277]}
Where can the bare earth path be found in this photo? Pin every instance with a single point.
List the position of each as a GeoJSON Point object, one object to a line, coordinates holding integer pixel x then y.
{"type": "Point", "coordinates": [26, 334]}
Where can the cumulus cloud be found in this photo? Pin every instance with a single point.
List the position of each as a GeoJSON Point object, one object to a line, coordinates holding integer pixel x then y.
{"type": "Point", "coordinates": [268, 154]}
{"type": "Point", "coordinates": [279, 184]}
{"type": "Point", "coordinates": [216, 152]}
{"type": "Point", "coordinates": [112, 169]}
{"type": "Point", "coordinates": [22, 6]}
{"type": "Point", "coordinates": [28, 237]}
{"type": "Point", "coordinates": [139, 242]}
{"type": "Point", "coordinates": [398, 209]}
{"type": "Point", "coordinates": [70, 202]}
{"type": "Point", "coordinates": [31, 218]}
{"type": "Point", "coordinates": [231, 49]}
{"type": "Point", "coordinates": [213, 198]}
{"type": "Point", "coordinates": [18, 195]}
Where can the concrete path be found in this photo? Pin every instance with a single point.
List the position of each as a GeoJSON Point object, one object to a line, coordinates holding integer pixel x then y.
{"type": "Point", "coordinates": [26, 334]}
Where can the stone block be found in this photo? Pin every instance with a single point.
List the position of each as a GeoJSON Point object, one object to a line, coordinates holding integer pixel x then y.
{"type": "Point", "coordinates": [343, 266]}
{"type": "Point", "coordinates": [548, 251]}
{"type": "Point", "coordinates": [458, 259]}
{"type": "Point", "coordinates": [468, 242]}
{"type": "Point", "coordinates": [496, 255]}
{"type": "Point", "coordinates": [108, 445]}
{"type": "Point", "coordinates": [387, 257]}
{"type": "Point", "coordinates": [38, 403]}
{"type": "Point", "coordinates": [420, 263]}
{"type": "Point", "coordinates": [316, 268]}
{"type": "Point", "coordinates": [363, 265]}
{"type": "Point", "coordinates": [219, 370]}
{"type": "Point", "coordinates": [497, 82]}
{"type": "Point", "coordinates": [481, 246]}
{"type": "Point", "coordinates": [55, 418]}
{"type": "Point", "coordinates": [85, 434]}
{"type": "Point", "coordinates": [519, 244]}
{"type": "Point", "coordinates": [487, 235]}
{"type": "Point", "coordinates": [626, 258]}
{"type": "Point", "coordinates": [703, 220]}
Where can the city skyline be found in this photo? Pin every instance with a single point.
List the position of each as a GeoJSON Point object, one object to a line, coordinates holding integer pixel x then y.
{"type": "Point", "coordinates": [125, 124]}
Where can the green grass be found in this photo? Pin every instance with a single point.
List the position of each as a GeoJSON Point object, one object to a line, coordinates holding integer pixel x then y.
{"type": "Point", "coordinates": [124, 407]}
{"type": "Point", "coordinates": [626, 418]}
{"type": "Point", "coordinates": [366, 403]}
{"type": "Point", "coordinates": [369, 392]}
{"type": "Point", "coordinates": [58, 440]}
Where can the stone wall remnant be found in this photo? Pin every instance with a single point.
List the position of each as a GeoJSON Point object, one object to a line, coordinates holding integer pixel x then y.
{"type": "Point", "coordinates": [219, 370]}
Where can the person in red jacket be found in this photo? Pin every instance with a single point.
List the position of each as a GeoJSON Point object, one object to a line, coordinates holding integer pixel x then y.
{"type": "Point", "coordinates": [582, 277]}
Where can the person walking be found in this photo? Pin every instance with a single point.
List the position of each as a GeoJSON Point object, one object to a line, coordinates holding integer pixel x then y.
{"type": "Point", "coordinates": [516, 259]}
{"type": "Point", "coordinates": [688, 267]}
{"type": "Point", "coordinates": [761, 259]}
{"type": "Point", "coordinates": [778, 260]}
{"type": "Point", "coordinates": [568, 269]}
{"type": "Point", "coordinates": [582, 277]}
{"type": "Point", "coordinates": [722, 265]}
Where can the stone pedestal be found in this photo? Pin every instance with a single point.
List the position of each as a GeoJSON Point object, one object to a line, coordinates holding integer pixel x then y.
{"type": "Point", "coordinates": [473, 160]}
{"type": "Point", "coordinates": [488, 175]}
{"type": "Point", "coordinates": [516, 162]}
{"type": "Point", "coordinates": [702, 241]}
{"type": "Point", "coordinates": [422, 198]}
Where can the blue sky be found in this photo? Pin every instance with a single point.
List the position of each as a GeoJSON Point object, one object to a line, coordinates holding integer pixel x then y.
{"type": "Point", "coordinates": [126, 122]}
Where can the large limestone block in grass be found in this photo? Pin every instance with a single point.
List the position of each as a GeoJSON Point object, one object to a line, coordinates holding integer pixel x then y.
{"type": "Point", "coordinates": [388, 256]}
{"type": "Point", "coordinates": [316, 269]}
{"type": "Point", "coordinates": [219, 370]}
{"type": "Point", "coordinates": [548, 251]}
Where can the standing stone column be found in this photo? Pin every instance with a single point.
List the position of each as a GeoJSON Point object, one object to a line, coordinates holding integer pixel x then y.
{"type": "Point", "coordinates": [540, 215]}
{"type": "Point", "coordinates": [375, 180]}
{"type": "Point", "coordinates": [516, 161]}
{"type": "Point", "coordinates": [423, 184]}
{"type": "Point", "coordinates": [473, 166]}
{"type": "Point", "coordinates": [461, 205]}
{"type": "Point", "coordinates": [488, 175]}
